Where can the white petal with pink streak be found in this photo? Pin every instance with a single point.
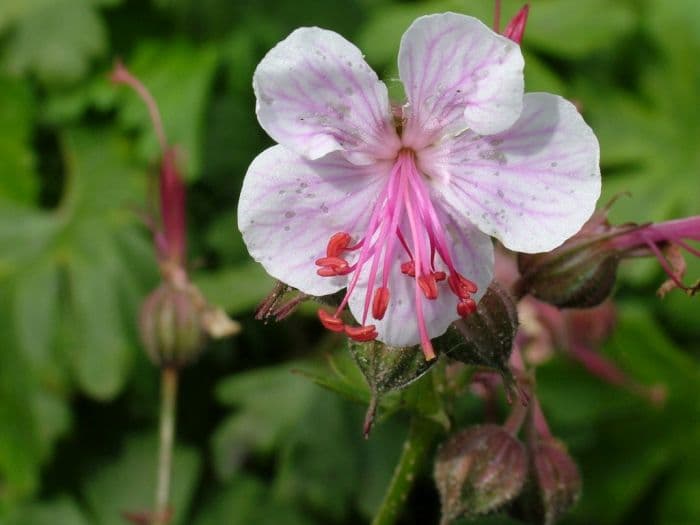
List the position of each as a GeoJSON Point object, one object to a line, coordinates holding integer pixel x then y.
{"type": "Point", "coordinates": [532, 186]}
{"type": "Point", "coordinates": [316, 94]}
{"type": "Point", "coordinates": [458, 74]}
{"type": "Point", "coordinates": [290, 206]}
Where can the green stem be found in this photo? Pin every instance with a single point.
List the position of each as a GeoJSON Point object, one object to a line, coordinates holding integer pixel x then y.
{"type": "Point", "coordinates": [168, 404]}
{"type": "Point", "coordinates": [421, 435]}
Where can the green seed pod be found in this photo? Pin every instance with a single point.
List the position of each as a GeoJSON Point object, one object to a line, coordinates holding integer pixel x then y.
{"type": "Point", "coordinates": [576, 275]}
{"type": "Point", "coordinates": [479, 470]}
{"type": "Point", "coordinates": [171, 325]}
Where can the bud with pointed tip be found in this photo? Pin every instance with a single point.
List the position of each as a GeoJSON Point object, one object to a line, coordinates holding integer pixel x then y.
{"type": "Point", "coordinates": [582, 271]}
{"type": "Point", "coordinates": [485, 338]}
{"type": "Point", "coordinates": [515, 30]}
{"type": "Point", "coordinates": [387, 368]}
{"type": "Point", "coordinates": [557, 478]}
{"type": "Point", "coordinates": [575, 275]}
{"type": "Point", "coordinates": [478, 470]}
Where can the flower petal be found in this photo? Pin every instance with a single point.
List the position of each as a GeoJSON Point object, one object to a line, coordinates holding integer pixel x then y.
{"type": "Point", "coordinates": [290, 206]}
{"type": "Point", "coordinates": [458, 74]}
{"type": "Point", "coordinates": [316, 94]}
{"type": "Point", "coordinates": [532, 186]}
{"type": "Point", "coordinates": [472, 252]}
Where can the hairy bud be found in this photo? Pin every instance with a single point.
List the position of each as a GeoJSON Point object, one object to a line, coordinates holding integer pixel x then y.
{"type": "Point", "coordinates": [387, 368]}
{"type": "Point", "coordinates": [558, 479]}
{"type": "Point", "coordinates": [478, 470]}
{"type": "Point", "coordinates": [485, 338]}
{"type": "Point", "coordinates": [171, 325]}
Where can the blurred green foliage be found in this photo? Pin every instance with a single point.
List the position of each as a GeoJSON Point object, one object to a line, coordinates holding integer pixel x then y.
{"type": "Point", "coordinates": [259, 444]}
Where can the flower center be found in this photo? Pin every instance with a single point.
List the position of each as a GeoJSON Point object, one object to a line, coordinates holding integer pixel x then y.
{"type": "Point", "coordinates": [403, 229]}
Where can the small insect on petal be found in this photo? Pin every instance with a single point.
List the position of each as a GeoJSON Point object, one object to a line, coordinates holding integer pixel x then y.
{"type": "Point", "coordinates": [332, 323]}
{"type": "Point", "coordinates": [361, 333]}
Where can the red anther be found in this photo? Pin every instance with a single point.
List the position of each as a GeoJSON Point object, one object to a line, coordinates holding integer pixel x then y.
{"type": "Point", "coordinates": [461, 286]}
{"type": "Point", "coordinates": [408, 268]}
{"type": "Point", "coordinates": [343, 270]}
{"type": "Point", "coordinates": [361, 333]}
{"type": "Point", "coordinates": [439, 276]}
{"type": "Point", "coordinates": [380, 302]}
{"type": "Point", "coordinates": [331, 322]}
{"type": "Point", "coordinates": [469, 285]}
{"type": "Point", "coordinates": [428, 285]}
{"type": "Point", "coordinates": [466, 307]}
{"type": "Point", "coordinates": [326, 271]}
{"type": "Point", "coordinates": [333, 271]}
{"type": "Point", "coordinates": [335, 262]}
{"type": "Point", "coordinates": [337, 243]}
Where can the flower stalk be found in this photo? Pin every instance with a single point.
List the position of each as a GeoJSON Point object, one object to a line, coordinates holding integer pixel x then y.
{"type": "Point", "coordinates": [175, 318]}
{"type": "Point", "coordinates": [168, 409]}
{"type": "Point", "coordinates": [421, 436]}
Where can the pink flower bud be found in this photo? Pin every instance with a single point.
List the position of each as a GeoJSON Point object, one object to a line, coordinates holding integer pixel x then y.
{"type": "Point", "coordinates": [515, 30]}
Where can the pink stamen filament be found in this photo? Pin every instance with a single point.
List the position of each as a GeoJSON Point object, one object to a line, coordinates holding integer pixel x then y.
{"type": "Point", "coordinates": [675, 232]}
{"type": "Point", "coordinates": [405, 195]}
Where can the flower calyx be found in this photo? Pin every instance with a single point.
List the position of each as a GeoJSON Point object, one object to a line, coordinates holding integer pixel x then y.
{"type": "Point", "coordinates": [479, 470]}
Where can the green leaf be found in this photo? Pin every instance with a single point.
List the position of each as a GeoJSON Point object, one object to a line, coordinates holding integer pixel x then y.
{"type": "Point", "coordinates": [270, 402]}
{"type": "Point", "coordinates": [57, 42]}
{"type": "Point", "coordinates": [340, 375]}
{"type": "Point", "coordinates": [17, 179]}
{"type": "Point", "coordinates": [573, 29]}
{"type": "Point", "coordinates": [680, 495]}
{"type": "Point", "coordinates": [100, 352]}
{"type": "Point", "coordinates": [36, 317]}
{"type": "Point", "coordinates": [236, 289]}
{"type": "Point", "coordinates": [659, 163]}
{"type": "Point", "coordinates": [73, 261]}
{"type": "Point", "coordinates": [20, 444]}
{"type": "Point", "coordinates": [324, 443]}
{"type": "Point", "coordinates": [13, 10]}
{"type": "Point", "coordinates": [247, 500]}
{"type": "Point", "coordinates": [62, 511]}
{"type": "Point", "coordinates": [95, 337]}
{"type": "Point", "coordinates": [127, 483]}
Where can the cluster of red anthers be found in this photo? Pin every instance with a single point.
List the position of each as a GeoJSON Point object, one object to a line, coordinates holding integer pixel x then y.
{"type": "Point", "coordinates": [333, 264]}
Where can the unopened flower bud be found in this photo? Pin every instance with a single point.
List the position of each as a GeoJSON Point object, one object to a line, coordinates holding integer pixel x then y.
{"type": "Point", "coordinates": [478, 470]}
{"type": "Point", "coordinates": [577, 274]}
{"type": "Point", "coordinates": [171, 325]}
{"type": "Point", "coordinates": [387, 368]}
{"type": "Point", "coordinates": [485, 338]}
{"type": "Point", "coordinates": [557, 478]}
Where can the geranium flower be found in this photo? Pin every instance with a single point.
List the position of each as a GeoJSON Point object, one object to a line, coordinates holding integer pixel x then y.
{"type": "Point", "coordinates": [397, 204]}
